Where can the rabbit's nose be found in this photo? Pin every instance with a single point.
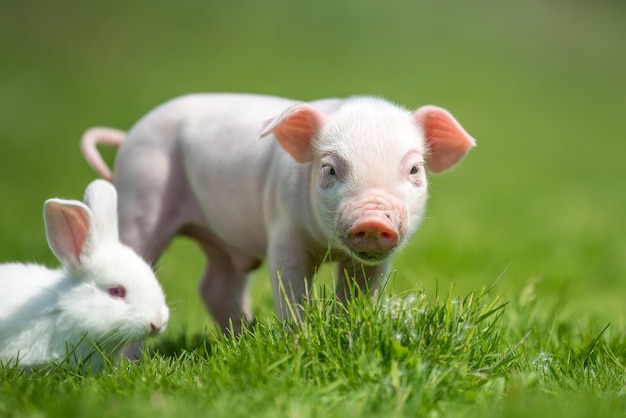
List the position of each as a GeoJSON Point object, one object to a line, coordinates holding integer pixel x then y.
{"type": "Point", "coordinates": [158, 326]}
{"type": "Point", "coordinates": [159, 322]}
{"type": "Point", "coordinates": [156, 329]}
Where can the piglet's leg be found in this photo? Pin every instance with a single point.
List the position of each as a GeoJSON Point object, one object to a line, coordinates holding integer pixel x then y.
{"type": "Point", "coordinates": [291, 271]}
{"type": "Point", "coordinates": [223, 287]}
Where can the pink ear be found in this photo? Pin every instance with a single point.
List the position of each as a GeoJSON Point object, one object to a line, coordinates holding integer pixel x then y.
{"type": "Point", "coordinates": [68, 229]}
{"type": "Point", "coordinates": [295, 129]}
{"type": "Point", "coordinates": [447, 140]}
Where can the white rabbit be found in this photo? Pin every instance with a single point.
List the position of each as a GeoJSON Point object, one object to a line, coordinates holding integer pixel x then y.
{"type": "Point", "coordinates": [104, 297]}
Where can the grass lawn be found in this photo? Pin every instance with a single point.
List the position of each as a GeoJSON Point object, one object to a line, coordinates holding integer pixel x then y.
{"type": "Point", "coordinates": [507, 302]}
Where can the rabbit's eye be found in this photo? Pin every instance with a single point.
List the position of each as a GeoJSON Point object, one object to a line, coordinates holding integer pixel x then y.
{"type": "Point", "coordinates": [117, 292]}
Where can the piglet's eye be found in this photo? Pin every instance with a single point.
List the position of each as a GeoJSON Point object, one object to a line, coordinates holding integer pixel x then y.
{"type": "Point", "coordinates": [117, 292]}
{"type": "Point", "coordinates": [330, 170]}
{"type": "Point", "coordinates": [415, 169]}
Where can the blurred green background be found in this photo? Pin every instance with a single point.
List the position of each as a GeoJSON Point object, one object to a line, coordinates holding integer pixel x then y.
{"type": "Point", "coordinates": [541, 85]}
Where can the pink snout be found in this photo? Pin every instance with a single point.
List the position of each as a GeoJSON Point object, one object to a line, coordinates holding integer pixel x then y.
{"type": "Point", "coordinates": [372, 237]}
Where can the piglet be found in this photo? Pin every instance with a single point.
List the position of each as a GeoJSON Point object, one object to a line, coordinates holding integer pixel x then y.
{"type": "Point", "coordinates": [250, 176]}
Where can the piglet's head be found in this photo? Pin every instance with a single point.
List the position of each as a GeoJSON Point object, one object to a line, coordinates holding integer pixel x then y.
{"type": "Point", "coordinates": [368, 182]}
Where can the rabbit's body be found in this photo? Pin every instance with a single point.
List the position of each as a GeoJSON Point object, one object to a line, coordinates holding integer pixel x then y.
{"type": "Point", "coordinates": [104, 297]}
{"type": "Point", "coordinates": [20, 325]}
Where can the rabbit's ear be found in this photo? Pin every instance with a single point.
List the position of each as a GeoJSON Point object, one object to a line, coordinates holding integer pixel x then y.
{"type": "Point", "coordinates": [70, 231]}
{"type": "Point", "coordinates": [101, 198]}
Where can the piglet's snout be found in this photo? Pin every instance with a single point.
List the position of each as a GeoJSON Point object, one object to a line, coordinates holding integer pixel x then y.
{"type": "Point", "coordinates": [373, 225]}
{"type": "Point", "coordinates": [373, 233]}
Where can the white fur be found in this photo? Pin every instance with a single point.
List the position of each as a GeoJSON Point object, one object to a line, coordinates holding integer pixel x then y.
{"type": "Point", "coordinates": [49, 315]}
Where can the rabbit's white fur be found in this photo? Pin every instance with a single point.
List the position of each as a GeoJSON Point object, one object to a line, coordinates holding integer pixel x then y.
{"type": "Point", "coordinates": [54, 315]}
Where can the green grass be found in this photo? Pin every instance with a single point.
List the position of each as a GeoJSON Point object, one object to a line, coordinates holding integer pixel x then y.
{"type": "Point", "coordinates": [411, 354]}
{"type": "Point", "coordinates": [539, 203]}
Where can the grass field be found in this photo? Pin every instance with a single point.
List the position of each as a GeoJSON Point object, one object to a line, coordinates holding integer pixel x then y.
{"type": "Point", "coordinates": [537, 208]}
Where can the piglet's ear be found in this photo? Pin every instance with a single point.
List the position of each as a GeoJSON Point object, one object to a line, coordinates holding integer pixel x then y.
{"type": "Point", "coordinates": [69, 229]}
{"type": "Point", "coordinates": [447, 140]}
{"type": "Point", "coordinates": [295, 129]}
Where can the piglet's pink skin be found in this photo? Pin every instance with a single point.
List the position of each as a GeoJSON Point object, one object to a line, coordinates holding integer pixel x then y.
{"type": "Point", "coordinates": [251, 177]}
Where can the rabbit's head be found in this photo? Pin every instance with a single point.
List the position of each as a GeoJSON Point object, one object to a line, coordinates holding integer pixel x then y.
{"type": "Point", "coordinates": [114, 297]}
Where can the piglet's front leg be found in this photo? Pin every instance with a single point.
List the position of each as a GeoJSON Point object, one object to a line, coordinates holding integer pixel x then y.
{"type": "Point", "coordinates": [291, 270]}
